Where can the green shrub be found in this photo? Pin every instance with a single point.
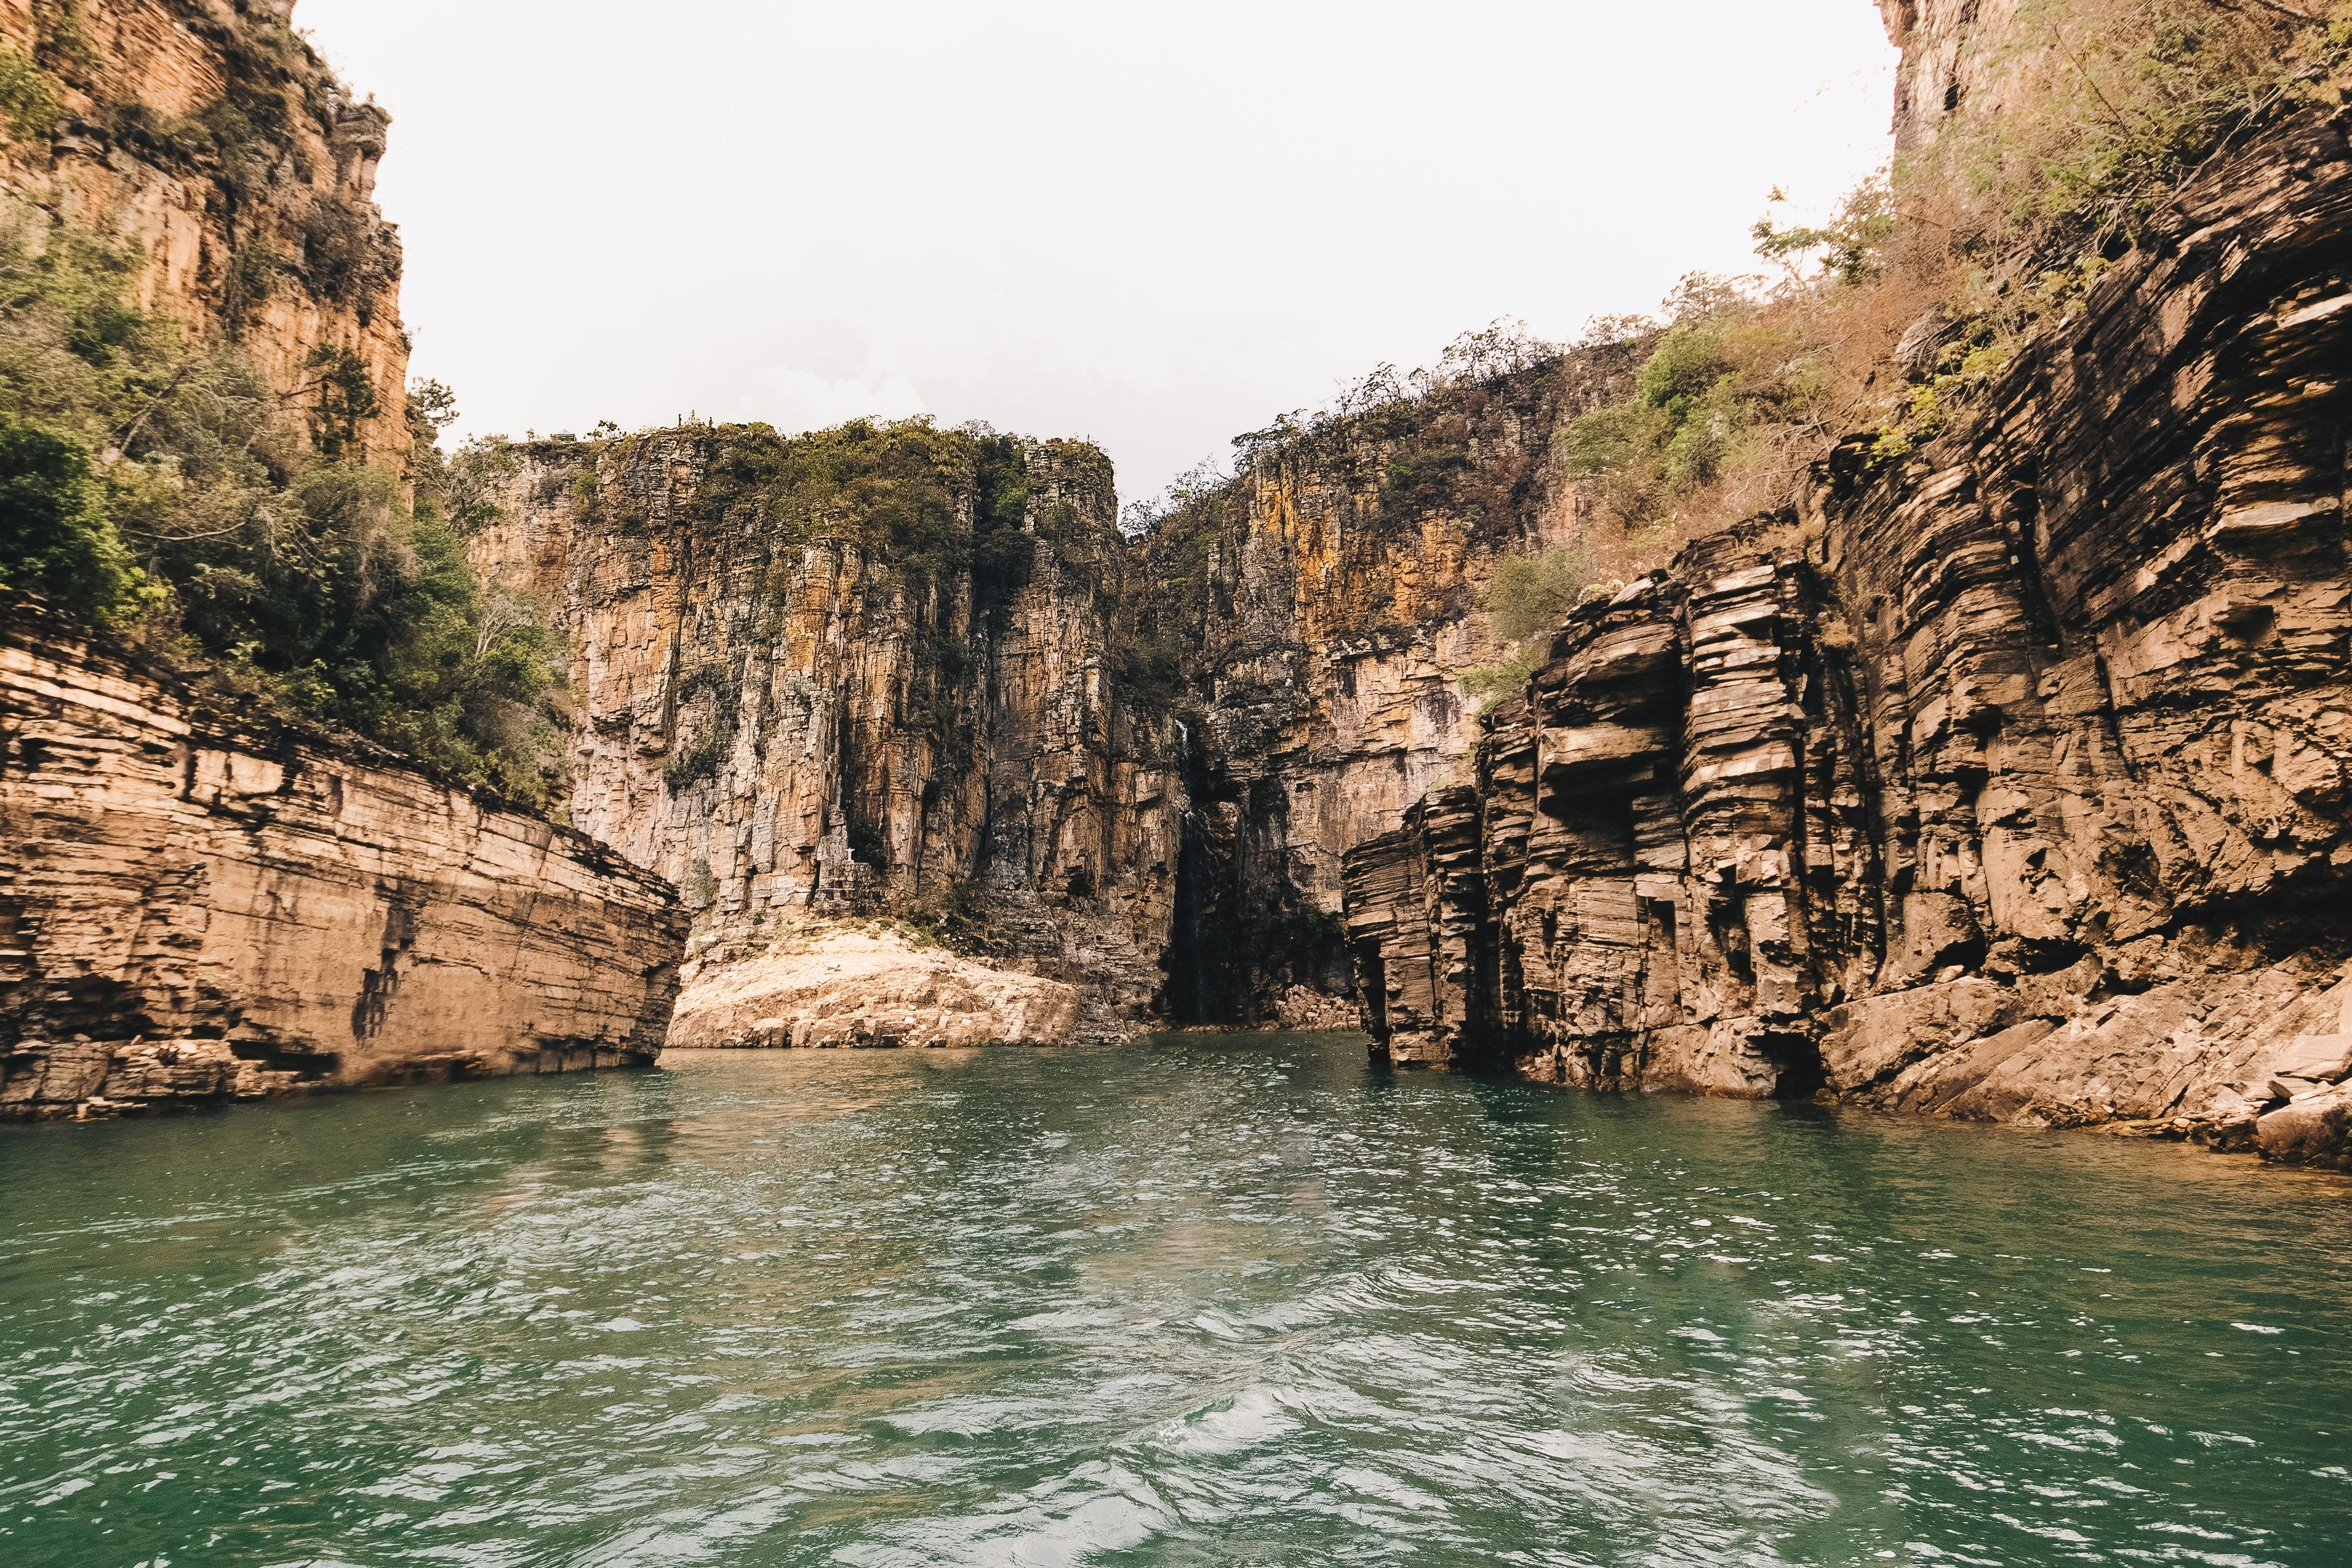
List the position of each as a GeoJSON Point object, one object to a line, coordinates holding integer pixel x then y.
{"type": "Point", "coordinates": [341, 252]}
{"type": "Point", "coordinates": [1004, 554]}
{"type": "Point", "coordinates": [1488, 684]}
{"type": "Point", "coordinates": [1530, 596]}
{"type": "Point", "coordinates": [215, 531]}
{"type": "Point", "coordinates": [28, 99]}
{"type": "Point", "coordinates": [56, 539]}
{"type": "Point", "coordinates": [1149, 672]}
{"type": "Point", "coordinates": [692, 765]}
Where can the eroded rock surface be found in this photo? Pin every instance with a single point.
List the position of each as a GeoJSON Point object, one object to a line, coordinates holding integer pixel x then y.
{"type": "Point", "coordinates": [209, 140]}
{"type": "Point", "coordinates": [2012, 788]}
{"type": "Point", "coordinates": [192, 911]}
{"type": "Point", "coordinates": [790, 727]}
{"type": "Point", "coordinates": [1131, 767]}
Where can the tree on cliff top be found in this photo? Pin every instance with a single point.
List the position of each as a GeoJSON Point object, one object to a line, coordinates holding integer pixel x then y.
{"type": "Point", "coordinates": [153, 488]}
{"type": "Point", "coordinates": [1890, 315]}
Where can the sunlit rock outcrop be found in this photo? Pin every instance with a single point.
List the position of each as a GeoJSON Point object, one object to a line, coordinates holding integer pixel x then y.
{"type": "Point", "coordinates": [208, 139]}
{"type": "Point", "coordinates": [195, 909]}
{"type": "Point", "coordinates": [2007, 783]}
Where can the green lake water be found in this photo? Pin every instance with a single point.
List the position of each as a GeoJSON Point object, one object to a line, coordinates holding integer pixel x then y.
{"type": "Point", "coordinates": [1194, 1300]}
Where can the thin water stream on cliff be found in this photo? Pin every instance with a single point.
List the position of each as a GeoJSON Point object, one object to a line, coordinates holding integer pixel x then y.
{"type": "Point", "coordinates": [1192, 1300]}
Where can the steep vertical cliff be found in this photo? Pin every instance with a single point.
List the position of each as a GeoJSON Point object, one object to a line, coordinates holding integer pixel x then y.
{"type": "Point", "coordinates": [852, 675]}
{"type": "Point", "coordinates": [2008, 783]}
{"type": "Point", "coordinates": [1319, 612]}
{"type": "Point", "coordinates": [207, 139]}
{"type": "Point", "coordinates": [199, 900]}
{"type": "Point", "coordinates": [906, 672]}
{"type": "Point", "coordinates": [195, 908]}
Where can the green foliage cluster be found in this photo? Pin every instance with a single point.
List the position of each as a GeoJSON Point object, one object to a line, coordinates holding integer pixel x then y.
{"type": "Point", "coordinates": [1719, 374]}
{"type": "Point", "coordinates": [1526, 602]}
{"type": "Point", "coordinates": [697, 760]}
{"type": "Point", "coordinates": [2140, 94]}
{"type": "Point", "coordinates": [154, 489]}
{"type": "Point", "coordinates": [950, 911]}
{"type": "Point", "coordinates": [1991, 228]}
{"type": "Point", "coordinates": [1530, 595]}
{"type": "Point", "coordinates": [343, 252]}
{"type": "Point", "coordinates": [1148, 671]}
{"type": "Point", "coordinates": [28, 99]}
{"type": "Point", "coordinates": [1003, 553]}
{"type": "Point", "coordinates": [896, 491]}
{"type": "Point", "coordinates": [926, 502]}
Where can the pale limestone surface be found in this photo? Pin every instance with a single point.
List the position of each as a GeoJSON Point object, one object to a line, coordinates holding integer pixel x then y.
{"type": "Point", "coordinates": [829, 984]}
{"type": "Point", "coordinates": [192, 910]}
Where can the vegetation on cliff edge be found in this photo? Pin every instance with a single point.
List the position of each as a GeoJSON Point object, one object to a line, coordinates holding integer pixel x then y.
{"type": "Point", "coordinates": [1891, 315]}
{"type": "Point", "coordinates": [155, 487]}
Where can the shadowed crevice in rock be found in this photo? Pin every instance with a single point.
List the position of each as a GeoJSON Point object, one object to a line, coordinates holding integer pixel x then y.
{"type": "Point", "coordinates": [2018, 794]}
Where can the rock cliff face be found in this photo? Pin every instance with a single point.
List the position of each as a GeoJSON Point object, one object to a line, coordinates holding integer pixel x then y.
{"type": "Point", "coordinates": [192, 911]}
{"type": "Point", "coordinates": [1320, 610]}
{"type": "Point", "coordinates": [2008, 784]}
{"type": "Point", "coordinates": [1946, 70]}
{"type": "Point", "coordinates": [788, 707]}
{"type": "Point", "coordinates": [1129, 767]}
{"type": "Point", "coordinates": [207, 137]}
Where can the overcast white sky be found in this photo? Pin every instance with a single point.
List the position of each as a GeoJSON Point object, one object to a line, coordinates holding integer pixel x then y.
{"type": "Point", "coordinates": [1157, 226]}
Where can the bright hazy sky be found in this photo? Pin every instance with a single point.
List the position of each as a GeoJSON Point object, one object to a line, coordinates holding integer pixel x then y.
{"type": "Point", "coordinates": [1156, 225]}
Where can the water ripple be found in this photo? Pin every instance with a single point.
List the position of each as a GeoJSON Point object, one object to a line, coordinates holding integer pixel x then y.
{"type": "Point", "coordinates": [1188, 1301]}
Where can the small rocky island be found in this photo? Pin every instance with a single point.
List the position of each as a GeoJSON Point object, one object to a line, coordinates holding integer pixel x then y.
{"type": "Point", "coordinates": [1920, 685]}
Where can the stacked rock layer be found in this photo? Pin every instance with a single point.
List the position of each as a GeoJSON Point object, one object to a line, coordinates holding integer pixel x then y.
{"type": "Point", "coordinates": [192, 912]}
{"type": "Point", "coordinates": [2008, 784]}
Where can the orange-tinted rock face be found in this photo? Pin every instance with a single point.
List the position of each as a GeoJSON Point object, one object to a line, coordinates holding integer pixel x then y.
{"type": "Point", "coordinates": [2021, 797]}
{"type": "Point", "coordinates": [1139, 768]}
{"type": "Point", "coordinates": [192, 912]}
{"type": "Point", "coordinates": [209, 137]}
{"type": "Point", "coordinates": [1325, 606]}
{"type": "Point", "coordinates": [783, 724]}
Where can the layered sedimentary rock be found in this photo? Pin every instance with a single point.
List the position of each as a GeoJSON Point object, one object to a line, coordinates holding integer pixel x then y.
{"type": "Point", "coordinates": [1320, 610]}
{"type": "Point", "coordinates": [786, 714]}
{"type": "Point", "coordinates": [192, 910]}
{"type": "Point", "coordinates": [1128, 765]}
{"type": "Point", "coordinates": [2008, 783]}
{"type": "Point", "coordinates": [207, 140]}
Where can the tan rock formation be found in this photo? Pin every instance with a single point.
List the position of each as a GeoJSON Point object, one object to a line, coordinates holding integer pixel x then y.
{"type": "Point", "coordinates": [2018, 796]}
{"type": "Point", "coordinates": [1327, 604]}
{"type": "Point", "coordinates": [787, 726]}
{"type": "Point", "coordinates": [193, 910]}
{"type": "Point", "coordinates": [828, 984]}
{"type": "Point", "coordinates": [208, 136]}
{"type": "Point", "coordinates": [1136, 773]}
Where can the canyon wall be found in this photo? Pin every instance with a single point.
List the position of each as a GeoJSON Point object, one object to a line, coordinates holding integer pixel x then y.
{"type": "Point", "coordinates": [904, 672]}
{"type": "Point", "coordinates": [1320, 610]}
{"type": "Point", "coordinates": [193, 909]}
{"type": "Point", "coordinates": [207, 140]}
{"type": "Point", "coordinates": [857, 675]}
{"type": "Point", "coordinates": [2007, 783]}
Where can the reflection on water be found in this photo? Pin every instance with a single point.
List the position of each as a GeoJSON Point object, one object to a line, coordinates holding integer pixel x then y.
{"type": "Point", "coordinates": [1190, 1300]}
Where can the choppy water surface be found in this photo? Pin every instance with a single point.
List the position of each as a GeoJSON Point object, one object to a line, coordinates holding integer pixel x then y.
{"type": "Point", "coordinates": [1190, 1300]}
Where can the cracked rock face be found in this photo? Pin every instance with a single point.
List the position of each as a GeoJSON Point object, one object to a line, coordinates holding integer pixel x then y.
{"type": "Point", "coordinates": [191, 913]}
{"type": "Point", "coordinates": [791, 727]}
{"type": "Point", "coordinates": [794, 728]}
{"type": "Point", "coordinates": [278, 244]}
{"type": "Point", "coordinates": [2011, 788]}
